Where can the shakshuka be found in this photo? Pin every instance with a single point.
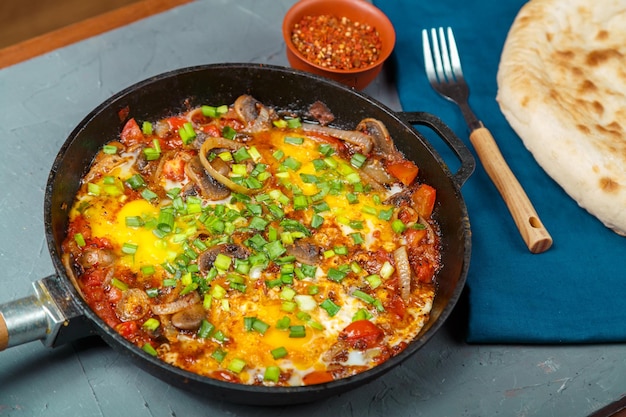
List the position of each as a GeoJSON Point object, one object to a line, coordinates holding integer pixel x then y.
{"type": "Point", "coordinates": [255, 245]}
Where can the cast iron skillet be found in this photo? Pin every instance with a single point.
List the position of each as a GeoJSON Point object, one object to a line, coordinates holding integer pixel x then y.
{"type": "Point", "coordinates": [57, 314]}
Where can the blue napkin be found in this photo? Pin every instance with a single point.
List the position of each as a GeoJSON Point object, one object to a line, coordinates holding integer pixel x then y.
{"type": "Point", "coordinates": [576, 291]}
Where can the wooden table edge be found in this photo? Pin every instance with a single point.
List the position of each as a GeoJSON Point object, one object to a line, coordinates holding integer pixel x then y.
{"type": "Point", "coordinates": [84, 29]}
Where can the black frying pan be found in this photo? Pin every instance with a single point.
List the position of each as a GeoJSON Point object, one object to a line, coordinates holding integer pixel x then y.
{"type": "Point", "coordinates": [57, 314]}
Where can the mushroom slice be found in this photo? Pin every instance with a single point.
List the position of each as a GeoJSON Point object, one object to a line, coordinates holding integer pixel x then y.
{"type": "Point", "coordinates": [378, 132]}
{"type": "Point", "coordinates": [305, 252]}
{"type": "Point", "coordinates": [362, 140]}
{"type": "Point", "coordinates": [253, 113]}
{"type": "Point", "coordinates": [96, 257]}
{"type": "Point", "coordinates": [209, 186]}
{"type": "Point", "coordinates": [133, 305]}
{"type": "Point", "coordinates": [189, 318]}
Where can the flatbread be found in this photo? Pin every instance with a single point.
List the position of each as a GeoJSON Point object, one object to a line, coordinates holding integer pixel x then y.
{"type": "Point", "coordinates": [562, 88]}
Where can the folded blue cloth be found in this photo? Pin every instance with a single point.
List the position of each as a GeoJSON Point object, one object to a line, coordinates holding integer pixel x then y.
{"type": "Point", "coordinates": [576, 291]}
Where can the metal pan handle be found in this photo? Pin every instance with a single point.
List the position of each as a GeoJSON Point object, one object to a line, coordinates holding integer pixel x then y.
{"type": "Point", "coordinates": [39, 316]}
{"type": "Point", "coordinates": [468, 163]}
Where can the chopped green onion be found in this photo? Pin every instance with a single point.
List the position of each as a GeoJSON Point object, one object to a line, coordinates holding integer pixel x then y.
{"type": "Point", "coordinates": [358, 160]}
{"type": "Point", "coordinates": [331, 308]}
{"type": "Point", "coordinates": [397, 226]}
{"type": "Point", "coordinates": [222, 262]}
{"type": "Point", "coordinates": [169, 282]}
{"type": "Point", "coordinates": [374, 280]}
{"type": "Point", "coordinates": [274, 249]}
{"type": "Point", "coordinates": [292, 163]}
{"type": "Point", "coordinates": [93, 189]}
{"type": "Point", "coordinates": [300, 202]}
{"type": "Point", "coordinates": [272, 373]}
{"type": "Point", "coordinates": [326, 150]}
{"type": "Point", "coordinates": [369, 210]}
{"type": "Point", "coordinates": [219, 336]}
{"type": "Point", "coordinates": [219, 355]}
{"type": "Point", "coordinates": [287, 293]}
{"type": "Point", "coordinates": [283, 324]}
{"type": "Point", "coordinates": [120, 285]}
{"type": "Point", "coordinates": [236, 365]}
{"type": "Point", "coordinates": [316, 221]}
{"type": "Point", "coordinates": [148, 194]}
{"type": "Point", "coordinates": [309, 270]}
{"type": "Point", "coordinates": [109, 149]}
{"type": "Point", "coordinates": [187, 134]}
{"type": "Point", "coordinates": [336, 275]}
{"type": "Point", "coordinates": [148, 270]}
{"type": "Point", "coordinates": [258, 223]}
{"type": "Point", "coordinates": [260, 326]}
{"type": "Point", "coordinates": [151, 324]}
{"type": "Point", "coordinates": [288, 306]}
{"type": "Point", "coordinates": [241, 154]}
{"type": "Point", "coordinates": [294, 140]}
{"type": "Point", "coordinates": [341, 250]}
{"type": "Point", "coordinates": [79, 239]}
{"type": "Point", "coordinates": [279, 352]}
{"type": "Point", "coordinates": [357, 238]}
{"type": "Point", "coordinates": [146, 128]}
{"type": "Point", "coordinates": [278, 155]}
{"type": "Point", "coordinates": [218, 292]}
{"type": "Point", "coordinates": [151, 154]}
{"type": "Point", "coordinates": [147, 347]}
{"type": "Point", "coordinates": [298, 331]}
{"type": "Point", "coordinates": [362, 314]}
{"type": "Point", "coordinates": [293, 123]}
{"type": "Point", "coordinates": [228, 132]}
{"type": "Point", "coordinates": [129, 248]}
{"type": "Point", "coordinates": [165, 223]}
{"type": "Point", "coordinates": [364, 296]}
{"type": "Point", "coordinates": [385, 214]}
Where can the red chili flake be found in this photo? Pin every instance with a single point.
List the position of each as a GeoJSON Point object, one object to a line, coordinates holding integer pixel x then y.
{"type": "Point", "coordinates": [336, 43]}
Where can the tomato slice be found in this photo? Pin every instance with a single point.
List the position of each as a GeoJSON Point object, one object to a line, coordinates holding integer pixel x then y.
{"type": "Point", "coordinates": [131, 133]}
{"type": "Point", "coordinates": [424, 198]}
{"type": "Point", "coordinates": [317, 377]}
{"type": "Point", "coordinates": [405, 171]}
{"type": "Point", "coordinates": [362, 334]}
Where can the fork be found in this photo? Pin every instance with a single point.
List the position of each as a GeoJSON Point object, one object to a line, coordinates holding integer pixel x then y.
{"type": "Point", "coordinates": [443, 69]}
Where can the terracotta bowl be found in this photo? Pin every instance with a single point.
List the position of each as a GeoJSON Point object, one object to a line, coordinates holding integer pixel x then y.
{"type": "Point", "coordinates": [357, 11]}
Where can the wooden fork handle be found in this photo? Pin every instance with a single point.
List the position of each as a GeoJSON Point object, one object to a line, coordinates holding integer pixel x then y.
{"type": "Point", "coordinates": [526, 218]}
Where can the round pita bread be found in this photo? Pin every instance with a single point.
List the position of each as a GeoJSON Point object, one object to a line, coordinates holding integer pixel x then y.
{"type": "Point", "coordinates": [562, 88]}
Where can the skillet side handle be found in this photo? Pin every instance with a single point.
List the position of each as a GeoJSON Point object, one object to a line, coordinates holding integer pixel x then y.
{"type": "Point", "coordinates": [35, 317]}
{"type": "Point", "coordinates": [468, 163]}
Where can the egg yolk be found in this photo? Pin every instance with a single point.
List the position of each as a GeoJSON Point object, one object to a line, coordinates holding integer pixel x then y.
{"type": "Point", "coordinates": [150, 249]}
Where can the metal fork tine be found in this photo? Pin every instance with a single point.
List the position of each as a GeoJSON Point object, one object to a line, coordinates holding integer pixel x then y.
{"type": "Point", "coordinates": [454, 56]}
{"type": "Point", "coordinates": [428, 57]}
{"type": "Point", "coordinates": [447, 69]}
{"type": "Point", "coordinates": [437, 55]}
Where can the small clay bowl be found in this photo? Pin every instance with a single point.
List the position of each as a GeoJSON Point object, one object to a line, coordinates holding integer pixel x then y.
{"type": "Point", "coordinates": [357, 11]}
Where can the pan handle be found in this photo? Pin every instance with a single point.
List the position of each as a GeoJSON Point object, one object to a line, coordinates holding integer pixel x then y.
{"type": "Point", "coordinates": [468, 163]}
{"type": "Point", "coordinates": [35, 317]}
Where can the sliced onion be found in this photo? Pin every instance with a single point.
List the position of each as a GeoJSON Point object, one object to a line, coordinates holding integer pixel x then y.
{"type": "Point", "coordinates": [176, 305]}
{"type": "Point", "coordinates": [212, 143]}
{"type": "Point", "coordinates": [351, 136]}
{"type": "Point", "coordinates": [403, 267]}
